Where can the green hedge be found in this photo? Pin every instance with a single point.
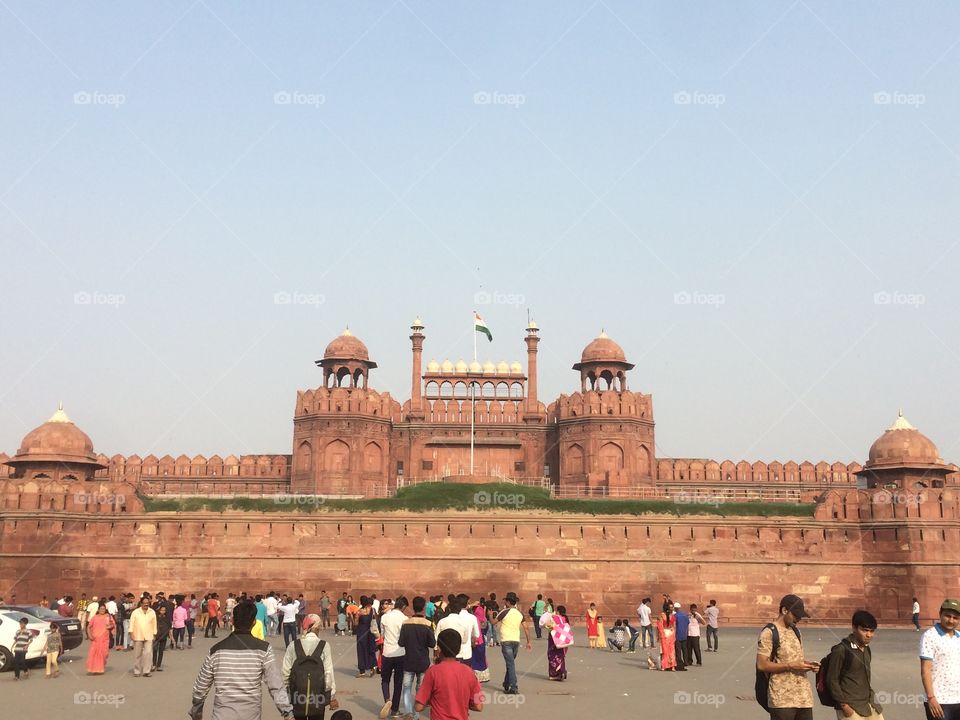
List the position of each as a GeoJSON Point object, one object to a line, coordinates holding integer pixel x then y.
{"type": "Point", "coordinates": [479, 498]}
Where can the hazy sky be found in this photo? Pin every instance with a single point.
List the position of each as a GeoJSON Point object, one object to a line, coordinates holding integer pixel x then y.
{"type": "Point", "coordinates": [758, 201]}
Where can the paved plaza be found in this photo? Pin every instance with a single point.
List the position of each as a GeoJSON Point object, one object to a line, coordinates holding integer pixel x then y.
{"type": "Point", "coordinates": [600, 684]}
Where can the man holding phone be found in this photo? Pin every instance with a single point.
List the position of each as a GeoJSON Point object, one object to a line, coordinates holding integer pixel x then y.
{"type": "Point", "coordinates": [790, 696]}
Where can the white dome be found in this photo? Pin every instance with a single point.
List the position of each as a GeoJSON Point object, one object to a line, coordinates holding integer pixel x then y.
{"type": "Point", "coordinates": [502, 367]}
{"type": "Point", "coordinates": [461, 366]}
{"type": "Point", "coordinates": [433, 366]}
{"type": "Point", "coordinates": [476, 367]}
{"type": "Point", "coordinates": [489, 368]}
{"type": "Point", "coordinates": [447, 366]}
{"type": "Point", "coordinates": [516, 368]}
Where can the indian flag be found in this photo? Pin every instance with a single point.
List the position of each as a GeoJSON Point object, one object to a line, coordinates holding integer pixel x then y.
{"type": "Point", "coordinates": [481, 327]}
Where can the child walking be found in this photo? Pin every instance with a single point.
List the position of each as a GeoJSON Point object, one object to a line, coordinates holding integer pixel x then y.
{"type": "Point", "coordinates": [21, 641]}
{"type": "Point", "coordinates": [52, 650]}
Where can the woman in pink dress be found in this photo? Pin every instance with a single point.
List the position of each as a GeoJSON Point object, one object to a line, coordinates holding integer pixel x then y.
{"type": "Point", "coordinates": [666, 629]}
{"type": "Point", "coordinates": [99, 630]}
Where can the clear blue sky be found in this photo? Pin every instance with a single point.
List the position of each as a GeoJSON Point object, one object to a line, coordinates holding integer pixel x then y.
{"type": "Point", "coordinates": [790, 168]}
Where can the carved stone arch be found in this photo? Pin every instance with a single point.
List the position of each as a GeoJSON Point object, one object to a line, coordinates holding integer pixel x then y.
{"type": "Point", "coordinates": [336, 456]}
{"type": "Point", "coordinates": [611, 457]}
{"type": "Point", "coordinates": [372, 458]}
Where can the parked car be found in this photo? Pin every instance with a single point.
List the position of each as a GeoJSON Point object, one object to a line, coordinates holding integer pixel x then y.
{"type": "Point", "coordinates": [9, 625]}
{"type": "Point", "coordinates": [69, 626]}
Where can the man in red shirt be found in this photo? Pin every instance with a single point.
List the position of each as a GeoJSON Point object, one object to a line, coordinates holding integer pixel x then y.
{"type": "Point", "coordinates": [450, 688]}
{"type": "Point", "coordinates": [213, 611]}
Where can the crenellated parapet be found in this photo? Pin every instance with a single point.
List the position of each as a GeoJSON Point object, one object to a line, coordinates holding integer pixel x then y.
{"type": "Point", "coordinates": [347, 401]}
{"type": "Point", "coordinates": [133, 468]}
{"type": "Point", "coordinates": [743, 472]}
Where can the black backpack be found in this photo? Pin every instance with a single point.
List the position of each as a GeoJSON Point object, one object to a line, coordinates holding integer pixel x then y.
{"type": "Point", "coordinates": [762, 685]}
{"type": "Point", "coordinates": [823, 690]}
{"type": "Point", "coordinates": [308, 684]}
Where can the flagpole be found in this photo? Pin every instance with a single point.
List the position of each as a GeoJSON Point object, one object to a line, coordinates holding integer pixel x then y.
{"type": "Point", "coordinates": [473, 395]}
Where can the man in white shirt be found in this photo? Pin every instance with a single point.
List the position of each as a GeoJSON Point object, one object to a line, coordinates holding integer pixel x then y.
{"type": "Point", "coordinates": [376, 604]}
{"type": "Point", "coordinates": [270, 602]}
{"type": "Point", "coordinates": [393, 654]}
{"type": "Point", "coordinates": [289, 610]}
{"type": "Point", "coordinates": [940, 663]}
{"type": "Point", "coordinates": [646, 625]}
{"type": "Point", "coordinates": [464, 623]}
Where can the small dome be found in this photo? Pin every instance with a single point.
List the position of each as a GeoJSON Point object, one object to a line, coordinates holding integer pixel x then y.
{"type": "Point", "coordinates": [503, 367]}
{"type": "Point", "coordinates": [447, 367]}
{"type": "Point", "coordinates": [476, 367]}
{"type": "Point", "coordinates": [461, 366]}
{"type": "Point", "coordinates": [489, 368]}
{"type": "Point", "coordinates": [516, 368]}
{"type": "Point", "coordinates": [902, 444]}
{"type": "Point", "coordinates": [346, 347]}
{"type": "Point", "coordinates": [433, 366]}
{"type": "Point", "coordinates": [602, 349]}
{"type": "Point", "coordinates": [57, 439]}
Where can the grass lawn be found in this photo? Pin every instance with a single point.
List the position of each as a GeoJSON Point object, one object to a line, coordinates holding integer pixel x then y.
{"type": "Point", "coordinates": [497, 497]}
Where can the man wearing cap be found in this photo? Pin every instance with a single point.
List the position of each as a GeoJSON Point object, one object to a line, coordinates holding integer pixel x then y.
{"type": "Point", "coordinates": [511, 621]}
{"type": "Point", "coordinates": [790, 696]}
{"type": "Point", "coordinates": [940, 664]}
{"type": "Point", "coordinates": [682, 621]}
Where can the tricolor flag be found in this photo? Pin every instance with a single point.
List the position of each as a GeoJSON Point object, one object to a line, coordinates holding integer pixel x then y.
{"type": "Point", "coordinates": [481, 327]}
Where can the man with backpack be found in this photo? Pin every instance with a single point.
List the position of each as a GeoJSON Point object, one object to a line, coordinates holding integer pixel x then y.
{"type": "Point", "coordinates": [782, 687]}
{"type": "Point", "coordinates": [843, 681]}
{"type": "Point", "coordinates": [308, 672]}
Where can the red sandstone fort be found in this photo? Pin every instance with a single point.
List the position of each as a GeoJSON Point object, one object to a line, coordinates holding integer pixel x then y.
{"type": "Point", "coordinates": [882, 532]}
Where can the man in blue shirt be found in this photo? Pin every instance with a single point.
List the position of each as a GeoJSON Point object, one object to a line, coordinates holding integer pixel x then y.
{"type": "Point", "coordinates": [682, 620]}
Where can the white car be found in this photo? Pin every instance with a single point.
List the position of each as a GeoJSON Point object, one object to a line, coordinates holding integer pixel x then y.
{"type": "Point", "coordinates": [9, 625]}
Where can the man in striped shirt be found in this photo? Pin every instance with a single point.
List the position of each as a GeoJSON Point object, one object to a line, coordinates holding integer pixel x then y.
{"type": "Point", "coordinates": [235, 668]}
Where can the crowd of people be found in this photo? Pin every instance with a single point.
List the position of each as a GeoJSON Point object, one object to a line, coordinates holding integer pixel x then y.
{"type": "Point", "coordinates": [432, 651]}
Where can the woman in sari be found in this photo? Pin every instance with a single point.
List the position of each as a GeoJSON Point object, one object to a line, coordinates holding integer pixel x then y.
{"type": "Point", "coordinates": [99, 630]}
{"type": "Point", "coordinates": [557, 625]}
{"type": "Point", "coordinates": [666, 629]}
{"type": "Point", "coordinates": [366, 630]}
{"type": "Point", "coordinates": [592, 629]}
{"type": "Point", "coordinates": [478, 661]}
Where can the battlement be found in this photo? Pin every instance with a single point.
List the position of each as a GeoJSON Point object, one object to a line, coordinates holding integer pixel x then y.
{"type": "Point", "coordinates": [347, 401]}
{"type": "Point", "coordinates": [603, 403]}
